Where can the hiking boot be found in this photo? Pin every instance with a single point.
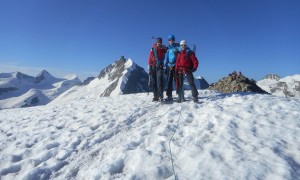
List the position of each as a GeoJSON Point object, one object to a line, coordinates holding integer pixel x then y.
{"type": "Point", "coordinates": [195, 99]}
{"type": "Point", "coordinates": [155, 99]}
{"type": "Point", "coordinates": [169, 98]}
{"type": "Point", "coordinates": [180, 100]}
{"type": "Point", "coordinates": [161, 99]}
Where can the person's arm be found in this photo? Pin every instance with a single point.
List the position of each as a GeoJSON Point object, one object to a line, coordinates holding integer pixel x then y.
{"type": "Point", "coordinates": [195, 61]}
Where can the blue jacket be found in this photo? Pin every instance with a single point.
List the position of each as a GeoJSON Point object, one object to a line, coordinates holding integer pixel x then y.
{"type": "Point", "coordinates": [171, 54]}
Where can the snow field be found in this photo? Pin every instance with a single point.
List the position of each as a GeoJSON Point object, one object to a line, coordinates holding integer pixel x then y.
{"type": "Point", "coordinates": [226, 136]}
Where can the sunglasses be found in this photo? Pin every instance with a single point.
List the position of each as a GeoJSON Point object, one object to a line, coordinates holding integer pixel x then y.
{"type": "Point", "coordinates": [170, 39]}
{"type": "Point", "coordinates": [158, 42]}
{"type": "Point", "coordinates": [183, 45]}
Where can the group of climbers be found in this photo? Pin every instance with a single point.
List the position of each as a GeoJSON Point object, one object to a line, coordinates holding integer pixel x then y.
{"type": "Point", "coordinates": [176, 61]}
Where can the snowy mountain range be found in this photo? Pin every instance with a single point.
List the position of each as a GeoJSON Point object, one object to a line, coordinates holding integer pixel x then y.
{"type": "Point", "coordinates": [287, 87]}
{"type": "Point", "coordinates": [20, 90]}
{"type": "Point", "coordinates": [225, 136]}
{"type": "Point", "coordinates": [121, 77]}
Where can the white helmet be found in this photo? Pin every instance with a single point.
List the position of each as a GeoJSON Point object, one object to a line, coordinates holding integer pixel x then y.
{"type": "Point", "coordinates": [182, 42]}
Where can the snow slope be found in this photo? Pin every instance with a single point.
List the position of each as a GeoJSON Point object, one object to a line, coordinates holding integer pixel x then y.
{"type": "Point", "coordinates": [227, 136]}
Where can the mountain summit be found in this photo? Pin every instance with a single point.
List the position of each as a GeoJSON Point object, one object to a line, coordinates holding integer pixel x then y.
{"type": "Point", "coordinates": [288, 86]}
{"type": "Point", "coordinates": [272, 76]}
{"type": "Point", "coordinates": [123, 76]}
{"type": "Point", "coordinates": [43, 75]}
{"type": "Point", "coordinates": [236, 83]}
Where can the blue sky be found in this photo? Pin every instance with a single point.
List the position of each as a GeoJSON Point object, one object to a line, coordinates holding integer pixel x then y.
{"type": "Point", "coordinates": [256, 37]}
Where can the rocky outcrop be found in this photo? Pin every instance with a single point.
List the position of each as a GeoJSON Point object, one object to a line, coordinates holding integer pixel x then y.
{"type": "Point", "coordinates": [236, 83]}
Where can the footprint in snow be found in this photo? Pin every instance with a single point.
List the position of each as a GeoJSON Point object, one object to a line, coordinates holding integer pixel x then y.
{"type": "Point", "coordinates": [16, 158]}
{"type": "Point", "coordinates": [42, 158]}
{"type": "Point", "coordinates": [210, 125]}
{"type": "Point", "coordinates": [11, 169]}
{"type": "Point", "coordinates": [132, 145]}
{"type": "Point", "coordinates": [52, 145]}
{"type": "Point", "coordinates": [94, 127]}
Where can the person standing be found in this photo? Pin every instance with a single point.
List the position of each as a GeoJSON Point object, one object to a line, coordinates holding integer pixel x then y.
{"type": "Point", "coordinates": [156, 68]}
{"type": "Point", "coordinates": [186, 64]}
{"type": "Point", "coordinates": [171, 54]}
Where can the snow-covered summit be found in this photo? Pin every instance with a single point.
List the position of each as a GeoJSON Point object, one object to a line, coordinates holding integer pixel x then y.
{"type": "Point", "coordinates": [43, 75]}
{"type": "Point", "coordinates": [288, 86]}
{"type": "Point", "coordinates": [272, 76]}
{"type": "Point", "coordinates": [20, 90]}
{"type": "Point", "coordinates": [123, 76]}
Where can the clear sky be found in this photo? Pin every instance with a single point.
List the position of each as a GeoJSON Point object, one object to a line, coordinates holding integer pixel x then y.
{"type": "Point", "coordinates": [256, 37]}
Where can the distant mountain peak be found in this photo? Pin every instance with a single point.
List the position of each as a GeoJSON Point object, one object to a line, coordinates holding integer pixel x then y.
{"type": "Point", "coordinates": [272, 76]}
{"type": "Point", "coordinates": [123, 76]}
{"type": "Point", "coordinates": [122, 59]}
{"type": "Point", "coordinates": [43, 75]}
{"type": "Point", "coordinates": [288, 86]}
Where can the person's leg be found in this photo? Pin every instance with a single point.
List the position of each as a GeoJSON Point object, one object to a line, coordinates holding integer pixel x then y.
{"type": "Point", "coordinates": [160, 83]}
{"type": "Point", "coordinates": [170, 84]}
{"type": "Point", "coordinates": [154, 84]}
{"type": "Point", "coordinates": [180, 88]}
{"type": "Point", "coordinates": [193, 86]}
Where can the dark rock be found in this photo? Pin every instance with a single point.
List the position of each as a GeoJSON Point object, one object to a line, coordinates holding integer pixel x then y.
{"type": "Point", "coordinates": [87, 81]}
{"type": "Point", "coordinates": [236, 83]}
{"type": "Point", "coordinates": [6, 90]}
{"type": "Point", "coordinates": [272, 76]}
{"type": "Point", "coordinates": [136, 82]}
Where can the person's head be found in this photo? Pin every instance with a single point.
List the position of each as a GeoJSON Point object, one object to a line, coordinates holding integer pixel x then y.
{"type": "Point", "coordinates": [171, 39]}
{"type": "Point", "coordinates": [158, 41]}
{"type": "Point", "coordinates": [183, 44]}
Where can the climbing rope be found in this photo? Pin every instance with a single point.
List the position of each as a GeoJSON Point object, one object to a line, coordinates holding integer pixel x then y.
{"type": "Point", "coordinates": [174, 172]}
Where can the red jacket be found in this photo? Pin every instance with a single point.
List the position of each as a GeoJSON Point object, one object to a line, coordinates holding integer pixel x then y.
{"type": "Point", "coordinates": [160, 51]}
{"type": "Point", "coordinates": [186, 61]}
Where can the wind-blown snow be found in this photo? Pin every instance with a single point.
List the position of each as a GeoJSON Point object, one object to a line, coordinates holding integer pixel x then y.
{"type": "Point", "coordinates": [227, 136]}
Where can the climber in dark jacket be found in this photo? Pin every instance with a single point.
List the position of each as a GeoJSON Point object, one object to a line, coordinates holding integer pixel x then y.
{"type": "Point", "coordinates": [156, 68]}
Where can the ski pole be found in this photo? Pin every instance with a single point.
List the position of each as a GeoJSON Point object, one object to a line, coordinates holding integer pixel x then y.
{"type": "Point", "coordinates": [149, 83]}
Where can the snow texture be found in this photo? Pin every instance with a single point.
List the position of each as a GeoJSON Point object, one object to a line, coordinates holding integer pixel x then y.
{"type": "Point", "coordinates": [225, 136]}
